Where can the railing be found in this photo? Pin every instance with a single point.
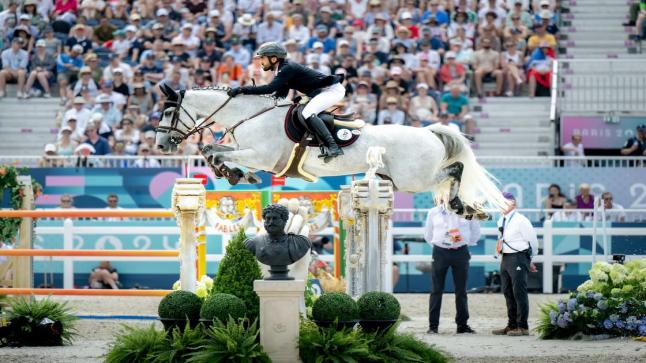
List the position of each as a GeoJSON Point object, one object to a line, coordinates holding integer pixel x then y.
{"type": "Point", "coordinates": [603, 86]}
{"type": "Point", "coordinates": [173, 161]}
{"type": "Point", "coordinates": [533, 214]}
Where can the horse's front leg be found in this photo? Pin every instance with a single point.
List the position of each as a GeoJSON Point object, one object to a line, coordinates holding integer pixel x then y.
{"type": "Point", "coordinates": [216, 160]}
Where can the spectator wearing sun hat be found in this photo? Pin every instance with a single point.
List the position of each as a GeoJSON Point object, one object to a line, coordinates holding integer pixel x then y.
{"type": "Point", "coordinates": [422, 106]}
{"type": "Point", "coordinates": [392, 114]}
{"type": "Point", "coordinates": [79, 36]}
{"type": "Point", "coordinates": [66, 144]}
{"type": "Point", "coordinates": [79, 113]}
{"type": "Point", "coordinates": [105, 107]}
{"type": "Point", "coordinates": [85, 81]}
{"type": "Point", "coordinates": [245, 30]}
{"type": "Point", "coordinates": [47, 160]}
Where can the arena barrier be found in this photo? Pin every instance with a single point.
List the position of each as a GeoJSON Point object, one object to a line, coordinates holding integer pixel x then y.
{"type": "Point", "coordinates": [188, 200]}
{"type": "Point", "coordinates": [83, 292]}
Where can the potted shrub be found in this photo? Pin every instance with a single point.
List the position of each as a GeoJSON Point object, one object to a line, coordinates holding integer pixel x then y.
{"type": "Point", "coordinates": [378, 311]}
{"type": "Point", "coordinates": [32, 322]}
{"type": "Point", "coordinates": [335, 308]}
{"type": "Point", "coordinates": [221, 307]}
{"type": "Point", "coordinates": [178, 307]}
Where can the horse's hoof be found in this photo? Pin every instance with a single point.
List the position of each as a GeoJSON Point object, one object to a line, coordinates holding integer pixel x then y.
{"type": "Point", "coordinates": [483, 216]}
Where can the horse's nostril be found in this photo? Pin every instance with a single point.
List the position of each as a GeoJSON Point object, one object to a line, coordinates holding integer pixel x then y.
{"type": "Point", "coordinates": [160, 147]}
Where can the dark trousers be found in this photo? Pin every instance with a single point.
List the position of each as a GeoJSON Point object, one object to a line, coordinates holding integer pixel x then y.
{"type": "Point", "coordinates": [458, 261]}
{"type": "Point", "coordinates": [513, 280]}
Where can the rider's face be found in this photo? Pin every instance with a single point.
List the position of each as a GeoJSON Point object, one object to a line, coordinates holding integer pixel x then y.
{"type": "Point", "coordinates": [265, 62]}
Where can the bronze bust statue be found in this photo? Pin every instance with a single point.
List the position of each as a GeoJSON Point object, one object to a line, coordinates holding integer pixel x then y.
{"type": "Point", "coordinates": [277, 248]}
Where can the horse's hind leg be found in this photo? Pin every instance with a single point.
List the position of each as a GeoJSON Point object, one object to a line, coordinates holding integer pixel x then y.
{"type": "Point", "coordinates": [454, 172]}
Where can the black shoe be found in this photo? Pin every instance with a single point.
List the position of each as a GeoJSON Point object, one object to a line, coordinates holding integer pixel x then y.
{"type": "Point", "coordinates": [318, 126]}
{"type": "Point", "coordinates": [332, 152]}
{"type": "Point", "coordinates": [432, 331]}
{"type": "Point", "coordinates": [630, 23]}
{"type": "Point", "coordinates": [465, 329]}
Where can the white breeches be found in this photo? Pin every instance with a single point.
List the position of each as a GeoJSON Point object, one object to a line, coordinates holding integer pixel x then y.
{"type": "Point", "coordinates": [329, 97]}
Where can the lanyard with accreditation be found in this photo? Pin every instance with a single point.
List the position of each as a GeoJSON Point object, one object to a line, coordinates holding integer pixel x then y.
{"type": "Point", "coordinates": [501, 240]}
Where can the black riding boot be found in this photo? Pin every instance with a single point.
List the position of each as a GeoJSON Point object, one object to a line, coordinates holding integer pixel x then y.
{"type": "Point", "coordinates": [318, 126]}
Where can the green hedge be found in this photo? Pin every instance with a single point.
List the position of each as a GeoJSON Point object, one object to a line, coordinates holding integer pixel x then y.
{"type": "Point", "coordinates": [180, 305]}
{"type": "Point", "coordinates": [221, 306]}
{"type": "Point", "coordinates": [378, 305]}
{"type": "Point", "coordinates": [333, 306]}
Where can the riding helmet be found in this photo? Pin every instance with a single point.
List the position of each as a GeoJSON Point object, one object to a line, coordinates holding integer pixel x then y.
{"type": "Point", "coordinates": [272, 49]}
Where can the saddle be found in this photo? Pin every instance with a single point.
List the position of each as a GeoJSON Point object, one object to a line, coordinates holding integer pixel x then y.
{"type": "Point", "coordinates": [344, 128]}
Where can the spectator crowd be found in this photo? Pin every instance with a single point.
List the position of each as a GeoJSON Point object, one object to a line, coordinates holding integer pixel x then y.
{"type": "Point", "coordinates": [412, 62]}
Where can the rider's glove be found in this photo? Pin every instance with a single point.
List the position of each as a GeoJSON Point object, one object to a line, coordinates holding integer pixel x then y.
{"type": "Point", "coordinates": [234, 91]}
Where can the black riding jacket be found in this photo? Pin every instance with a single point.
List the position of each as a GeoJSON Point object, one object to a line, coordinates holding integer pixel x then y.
{"type": "Point", "coordinates": [293, 76]}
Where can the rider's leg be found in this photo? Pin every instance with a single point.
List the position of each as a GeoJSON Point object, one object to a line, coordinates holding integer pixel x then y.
{"type": "Point", "coordinates": [324, 100]}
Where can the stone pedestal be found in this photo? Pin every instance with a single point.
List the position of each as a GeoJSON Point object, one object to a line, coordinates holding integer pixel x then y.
{"type": "Point", "coordinates": [280, 318]}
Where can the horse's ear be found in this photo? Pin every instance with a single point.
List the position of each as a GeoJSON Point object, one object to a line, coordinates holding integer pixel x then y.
{"type": "Point", "coordinates": [168, 91]}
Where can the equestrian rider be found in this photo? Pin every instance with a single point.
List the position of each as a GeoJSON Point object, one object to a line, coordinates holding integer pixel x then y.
{"type": "Point", "coordinates": [324, 91]}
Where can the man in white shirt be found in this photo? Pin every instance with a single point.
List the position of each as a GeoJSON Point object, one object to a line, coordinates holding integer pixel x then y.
{"type": "Point", "coordinates": [79, 113]}
{"type": "Point", "coordinates": [566, 215]}
{"type": "Point", "coordinates": [450, 236]}
{"type": "Point", "coordinates": [574, 148]}
{"type": "Point", "coordinates": [298, 31]}
{"type": "Point", "coordinates": [270, 30]}
{"type": "Point", "coordinates": [614, 211]}
{"type": "Point", "coordinates": [518, 244]}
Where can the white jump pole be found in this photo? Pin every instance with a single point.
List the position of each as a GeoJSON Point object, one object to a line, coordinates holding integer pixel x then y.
{"type": "Point", "coordinates": [188, 202]}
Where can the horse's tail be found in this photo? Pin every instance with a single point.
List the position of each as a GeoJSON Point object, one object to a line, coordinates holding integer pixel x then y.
{"type": "Point", "coordinates": [478, 186]}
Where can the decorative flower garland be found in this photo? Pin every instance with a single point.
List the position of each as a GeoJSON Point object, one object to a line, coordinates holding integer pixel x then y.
{"type": "Point", "coordinates": [9, 181]}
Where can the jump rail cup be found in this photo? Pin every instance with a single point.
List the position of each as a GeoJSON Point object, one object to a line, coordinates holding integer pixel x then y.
{"type": "Point", "coordinates": [188, 202]}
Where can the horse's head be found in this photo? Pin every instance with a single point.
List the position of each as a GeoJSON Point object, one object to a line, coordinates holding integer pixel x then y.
{"type": "Point", "coordinates": [176, 123]}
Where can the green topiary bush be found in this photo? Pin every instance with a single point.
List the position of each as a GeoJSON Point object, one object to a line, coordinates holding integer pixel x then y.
{"type": "Point", "coordinates": [333, 306]}
{"type": "Point", "coordinates": [221, 306]}
{"type": "Point", "coordinates": [180, 305]}
{"type": "Point", "coordinates": [378, 306]}
{"type": "Point", "coordinates": [236, 275]}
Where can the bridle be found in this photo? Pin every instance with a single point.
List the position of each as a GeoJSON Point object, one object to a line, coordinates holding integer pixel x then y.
{"type": "Point", "coordinates": [207, 122]}
{"type": "Point", "coordinates": [175, 120]}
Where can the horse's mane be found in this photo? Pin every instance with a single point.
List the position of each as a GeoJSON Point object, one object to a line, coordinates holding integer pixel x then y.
{"type": "Point", "coordinates": [226, 88]}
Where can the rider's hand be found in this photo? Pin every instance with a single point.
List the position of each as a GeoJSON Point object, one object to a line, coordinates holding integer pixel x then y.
{"type": "Point", "coordinates": [532, 268]}
{"type": "Point", "coordinates": [234, 91]}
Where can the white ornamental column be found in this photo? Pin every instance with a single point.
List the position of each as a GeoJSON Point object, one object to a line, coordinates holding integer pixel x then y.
{"type": "Point", "coordinates": [188, 202]}
{"type": "Point", "coordinates": [372, 206]}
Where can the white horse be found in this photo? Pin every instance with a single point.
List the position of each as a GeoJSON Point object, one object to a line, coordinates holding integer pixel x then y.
{"type": "Point", "coordinates": [434, 158]}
